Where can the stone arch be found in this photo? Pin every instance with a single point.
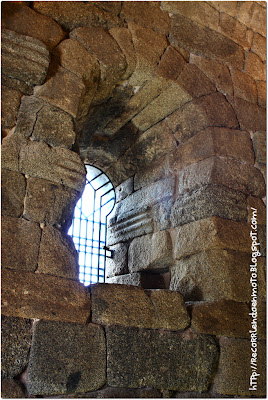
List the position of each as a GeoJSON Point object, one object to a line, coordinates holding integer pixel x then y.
{"type": "Point", "coordinates": [156, 97]}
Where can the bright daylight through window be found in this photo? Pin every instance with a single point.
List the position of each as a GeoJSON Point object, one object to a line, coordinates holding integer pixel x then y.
{"type": "Point", "coordinates": [89, 226]}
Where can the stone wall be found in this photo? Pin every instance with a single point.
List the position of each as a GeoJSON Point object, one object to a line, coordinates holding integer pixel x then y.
{"type": "Point", "coordinates": [168, 98]}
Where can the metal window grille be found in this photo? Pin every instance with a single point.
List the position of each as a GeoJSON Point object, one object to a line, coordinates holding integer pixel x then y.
{"type": "Point", "coordinates": [89, 226]}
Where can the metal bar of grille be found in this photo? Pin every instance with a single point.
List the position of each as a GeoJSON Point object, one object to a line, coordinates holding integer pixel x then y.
{"type": "Point", "coordinates": [89, 227]}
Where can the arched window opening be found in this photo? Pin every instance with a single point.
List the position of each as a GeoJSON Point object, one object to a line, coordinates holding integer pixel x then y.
{"type": "Point", "coordinates": [89, 226]}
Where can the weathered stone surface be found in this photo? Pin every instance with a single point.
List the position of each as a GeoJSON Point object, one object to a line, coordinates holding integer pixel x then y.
{"type": "Point", "coordinates": [195, 82]}
{"type": "Point", "coordinates": [13, 187]}
{"type": "Point", "coordinates": [31, 295]}
{"type": "Point", "coordinates": [218, 73]}
{"type": "Point", "coordinates": [254, 16]}
{"type": "Point", "coordinates": [261, 209]}
{"type": "Point", "coordinates": [207, 201]}
{"type": "Point", "coordinates": [73, 14]}
{"type": "Point", "coordinates": [171, 64]}
{"type": "Point", "coordinates": [24, 58]}
{"type": "Point", "coordinates": [11, 389]}
{"type": "Point", "coordinates": [111, 6]}
{"type": "Point", "coordinates": [206, 42]}
{"type": "Point", "coordinates": [49, 203]}
{"type": "Point", "coordinates": [117, 393]}
{"type": "Point", "coordinates": [259, 144]}
{"type": "Point", "coordinates": [19, 18]}
{"type": "Point", "coordinates": [149, 148]}
{"type": "Point", "coordinates": [212, 275]}
{"type": "Point", "coordinates": [251, 117]}
{"type": "Point", "coordinates": [169, 308]}
{"type": "Point", "coordinates": [130, 225]}
{"type": "Point", "coordinates": [173, 97]}
{"type": "Point", "coordinates": [149, 15]}
{"type": "Point", "coordinates": [244, 86]}
{"type": "Point", "coordinates": [236, 31]}
{"type": "Point", "coordinates": [255, 67]}
{"type": "Point", "coordinates": [200, 12]}
{"type": "Point", "coordinates": [229, 7]}
{"type": "Point", "coordinates": [15, 84]}
{"type": "Point", "coordinates": [162, 214]}
{"type": "Point", "coordinates": [62, 358]}
{"type": "Point", "coordinates": [212, 233]}
{"type": "Point", "coordinates": [10, 150]}
{"type": "Point", "coordinates": [56, 164]}
{"type": "Point", "coordinates": [74, 57]}
{"type": "Point", "coordinates": [45, 123]}
{"type": "Point", "coordinates": [259, 46]}
{"type": "Point", "coordinates": [149, 91]}
{"type": "Point", "coordinates": [28, 114]}
{"type": "Point", "coordinates": [221, 318]}
{"type": "Point", "coordinates": [109, 55]}
{"type": "Point", "coordinates": [211, 110]}
{"type": "Point", "coordinates": [15, 342]}
{"type": "Point", "coordinates": [54, 127]}
{"type": "Point", "coordinates": [222, 142]}
{"type": "Point", "coordinates": [149, 47]}
{"type": "Point", "coordinates": [121, 305]}
{"type": "Point", "coordinates": [150, 252]}
{"type": "Point", "coordinates": [25, 239]}
{"type": "Point", "coordinates": [10, 103]}
{"type": "Point", "coordinates": [153, 173]}
{"type": "Point", "coordinates": [235, 354]}
{"type": "Point", "coordinates": [124, 39]}
{"type": "Point", "coordinates": [132, 215]}
{"type": "Point", "coordinates": [117, 265]}
{"type": "Point", "coordinates": [101, 115]}
{"type": "Point", "coordinates": [165, 360]}
{"type": "Point", "coordinates": [261, 88]}
{"type": "Point", "coordinates": [64, 90]}
{"type": "Point", "coordinates": [127, 279]}
{"type": "Point", "coordinates": [124, 190]}
{"type": "Point", "coordinates": [222, 171]}
{"type": "Point", "coordinates": [57, 254]}
{"type": "Point", "coordinates": [142, 199]}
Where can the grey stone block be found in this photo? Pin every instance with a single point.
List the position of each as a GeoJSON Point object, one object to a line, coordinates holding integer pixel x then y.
{"type": "Point", "coordinates": [133, 217]}
{"type": "Point", "coordinates": [124, 190]}
{"type": "Point", "coordinates": [13, 192]}
{"type": "Point", "coordinates": [212, 275]}
{"type": "Point", "coordinates": [208, 201]}
{"type": "Point", "coordinates": [162, 214]}
{"type": "Point", "coordinates": [235, 355]}
{"type": "Point", "coordinates": [127, 279]}
{"type": "Point", "coordinates": [117, 265]}
{"type": "Point", "coordinates": [16, 342]}
{"type": "Point", "coordinates": [223, 172]}
{"type": "Point", "coordinates": [166, 360]}
{"type": "Point", "coordinates": [55, 164]}
{"type": "Point", "coordinates": [45, 123]}
{"type": "Point", "coordinates": [11, 389]}
{"type": "Point", "coordinates": [20, 242]}
{"type": "Point", "coordinates": [150, 252]}
{"type": "Point", "coordinates": [129, 226]}
{"type": "Point", "coordinates": [50, 203]}
{"type": "Point", "coordinates": [66, 358]}
{"type": "Point", "coordinates": [24, 58]}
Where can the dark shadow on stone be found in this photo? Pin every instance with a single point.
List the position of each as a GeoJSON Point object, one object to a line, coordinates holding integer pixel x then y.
{"type": "Point", "coordinates": [73, 381]}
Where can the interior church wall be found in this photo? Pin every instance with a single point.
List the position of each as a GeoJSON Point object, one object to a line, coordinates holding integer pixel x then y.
{"type": "Point", "coordinates": [168, 99]}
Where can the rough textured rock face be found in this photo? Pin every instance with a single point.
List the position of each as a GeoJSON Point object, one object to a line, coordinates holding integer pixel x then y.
{"type": "Point", "coordinates": [168, 99]}
{"type": "Point", "coordinates": [15, 342]}
{"type": "Point", "coordinates": [73, 349]}
{"type": "Point", "coordinates": [142, 365]}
